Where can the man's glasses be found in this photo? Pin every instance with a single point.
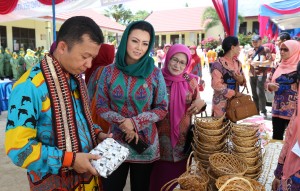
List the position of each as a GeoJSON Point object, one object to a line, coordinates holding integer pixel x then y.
{"type": "Point", "coordinates": [284, 49]}
{"type": "Point", "coordinates": [175, 60]}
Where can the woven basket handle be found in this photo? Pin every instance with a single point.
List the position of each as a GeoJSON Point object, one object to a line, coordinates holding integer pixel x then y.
{"type": "Point", "coordinates": [189, 161]}
{"type": "Point", "coordinates": [235, 178]}
{"type": "Point", "coordinates": [168, 185]}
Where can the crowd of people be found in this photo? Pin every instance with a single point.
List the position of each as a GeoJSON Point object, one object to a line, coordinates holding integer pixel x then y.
{"type": "Point", "coordinates": [14, 64]}
{"type": "Point", "coordinates": [52, 126]}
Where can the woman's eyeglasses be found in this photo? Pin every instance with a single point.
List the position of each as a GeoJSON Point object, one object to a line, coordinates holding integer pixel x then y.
{"type": "Point", "coordinates": [284, 49]}
{"type": "Point", "coordinates": [175, 60]}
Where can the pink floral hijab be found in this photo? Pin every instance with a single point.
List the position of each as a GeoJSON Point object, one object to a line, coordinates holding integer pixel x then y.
{"type": "Point", "coordinates": [289, 65]}
{"type": "Point", "coordinates": [178, 88]}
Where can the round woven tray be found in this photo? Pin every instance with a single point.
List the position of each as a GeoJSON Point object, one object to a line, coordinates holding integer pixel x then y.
{"type": "Point", "coordinates": [209, 122]}
{"type": "Point", "coordinates": [226, 164]}
{"type": "Point", "coordinates": [243, 149]}
{"type": "Point", "coordinates": [245, 130]}
{"type": "Point", "coordinates": [254, 184]}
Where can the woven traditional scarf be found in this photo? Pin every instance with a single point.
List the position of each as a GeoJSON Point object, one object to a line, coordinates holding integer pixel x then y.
{"type": "Point", "coordinates": [63, 114]}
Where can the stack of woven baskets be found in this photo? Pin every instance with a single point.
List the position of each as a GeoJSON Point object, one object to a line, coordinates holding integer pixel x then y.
{"type": "Point", "coordinates": [210, 136]}
{"type": "Point", "coordinates": [222, 164]}
{"type": "Point", "coordinates": [246, 143]}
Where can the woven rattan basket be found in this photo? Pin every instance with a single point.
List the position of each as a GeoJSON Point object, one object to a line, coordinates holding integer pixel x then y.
{"type": "Point", "coordinates": [213, 132]}
{"type": "Point", "coordinates": [209, 122]}
{"type": "Point", "coordinates": [250, 161]}
{"type": "Point", "coordinates": [242, 149]}
{"type": "Point", "coordinates": [254, 176]}
{"type": "Point", "coordinates": [211, 142]}
{"type": "Point", "coordinates": [236, 184]}
{"type": "Point", "coordinates": [213, 138]}
{"type": "Point", "coordinates": [203, 151]}
{"type": "Point", "coordinates": [254, 184]}
{"type": "Point", "coordinates": [244, 130]}
{"type": "Point", "coordinates": [226, 164]}
{"type": "Point", "coordinates": [249, 154]}
{"type": "Point", "coordinates": [254, 169]}
{"type": "Point", "coordinates": [244, 143]}
{"type": "Point", "coordinates": [211, 147]}
{"type": "Point", "coordinates": [194, 179]}
{"type": "Point", "coordinates": [244, 138]}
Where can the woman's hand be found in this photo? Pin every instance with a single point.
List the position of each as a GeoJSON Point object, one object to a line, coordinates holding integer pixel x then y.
{"type": "Point", "coordinates": [130, 136]}
{"type": "Point", "coordinates": [195, 107]}
{"type": "Point", "coordinates": [101, 136]}
{"type": "Point", "coordinates": [275, 184]}
{"type": "Point", "coordinates": [238, 77]}
{"type": "Point", "coordinates": [126, 125]}
{"type": "Point", "coordinates": [273, 86]}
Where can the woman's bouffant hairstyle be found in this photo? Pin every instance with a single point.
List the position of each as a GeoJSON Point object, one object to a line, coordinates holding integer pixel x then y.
{"type": "Point", "coordinates": [226, 45]}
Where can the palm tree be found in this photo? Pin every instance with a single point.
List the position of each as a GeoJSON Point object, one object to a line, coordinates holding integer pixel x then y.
{"type": "Point", "coordinates": [211, 18]}
{"type": "Point", "coordinates": [119, 13]}
{"type": "Point", "coordinates": [140, 15]}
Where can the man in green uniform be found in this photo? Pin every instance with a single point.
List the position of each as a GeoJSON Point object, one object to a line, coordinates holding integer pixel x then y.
{"type": "Point", "coordinates": [1, 64]}
{"type": "Point", "coordinates": [7, 66]}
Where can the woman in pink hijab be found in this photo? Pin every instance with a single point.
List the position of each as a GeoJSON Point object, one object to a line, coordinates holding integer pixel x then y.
{"type": "Point", "coordinates": [287, 173]}
{"type": "Point", "coordinates": [283, 82]}
{"type": "Point", "coordinates": [184, 101]}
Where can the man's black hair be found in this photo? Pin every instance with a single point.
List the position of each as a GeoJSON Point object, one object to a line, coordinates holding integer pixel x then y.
{"type": "Point", "coordinates": [284, 36]}
{"type": "Point", "coordinates": [74, 28]}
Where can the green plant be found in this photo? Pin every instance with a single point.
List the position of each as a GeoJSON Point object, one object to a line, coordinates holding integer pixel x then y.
{"type": "Point", "coordinates": [244, 39]}
{"type": "Point", "coordinates": [210, 43]}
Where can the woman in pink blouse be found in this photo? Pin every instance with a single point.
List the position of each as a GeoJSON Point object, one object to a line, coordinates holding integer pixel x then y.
{"type": "Point", "coordinates": [226, 74]}
{"type": "Point", "coordinates": [287, 173]}
{"type": "Point", "coordinates": [184, 101]}
{"type": "Point", "coordinates": [283, 81]}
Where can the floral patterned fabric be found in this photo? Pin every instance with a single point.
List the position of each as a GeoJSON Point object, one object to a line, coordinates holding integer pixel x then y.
{"type": "Point", "coordinates": [144, 101]}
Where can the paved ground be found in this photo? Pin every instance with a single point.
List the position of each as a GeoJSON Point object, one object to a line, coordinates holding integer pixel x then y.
{"type": "Point", "coordinates": [14, 178]}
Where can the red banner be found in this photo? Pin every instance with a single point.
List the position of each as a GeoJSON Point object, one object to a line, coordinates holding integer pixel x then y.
{"type": "Point", "coordinates": [7, 6]}
{"type": "Point", "coordinates": [49, 2]}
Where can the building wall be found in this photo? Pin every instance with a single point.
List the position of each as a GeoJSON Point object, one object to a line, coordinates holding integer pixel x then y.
{"type": "Point", "coordinates": [215, 32]}
{"type": "Point", "coordinates": [43, 31]}
{"type": "Point", "coordinates": [250, 23]}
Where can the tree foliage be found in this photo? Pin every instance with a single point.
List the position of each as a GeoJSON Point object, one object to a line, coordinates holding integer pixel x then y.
{"type": "Point", "coordinates": [211, 18]}
{"type": "Point", "coordinates": [123, 15]}
{"type": "Point", "coordinates": [140, 15]}
{"type": "Point", "coordinates": [119, 13]}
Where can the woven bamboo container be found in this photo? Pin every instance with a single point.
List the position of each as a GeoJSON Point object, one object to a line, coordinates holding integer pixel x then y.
{"type": "Point", "coordinates": [227, 164]}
